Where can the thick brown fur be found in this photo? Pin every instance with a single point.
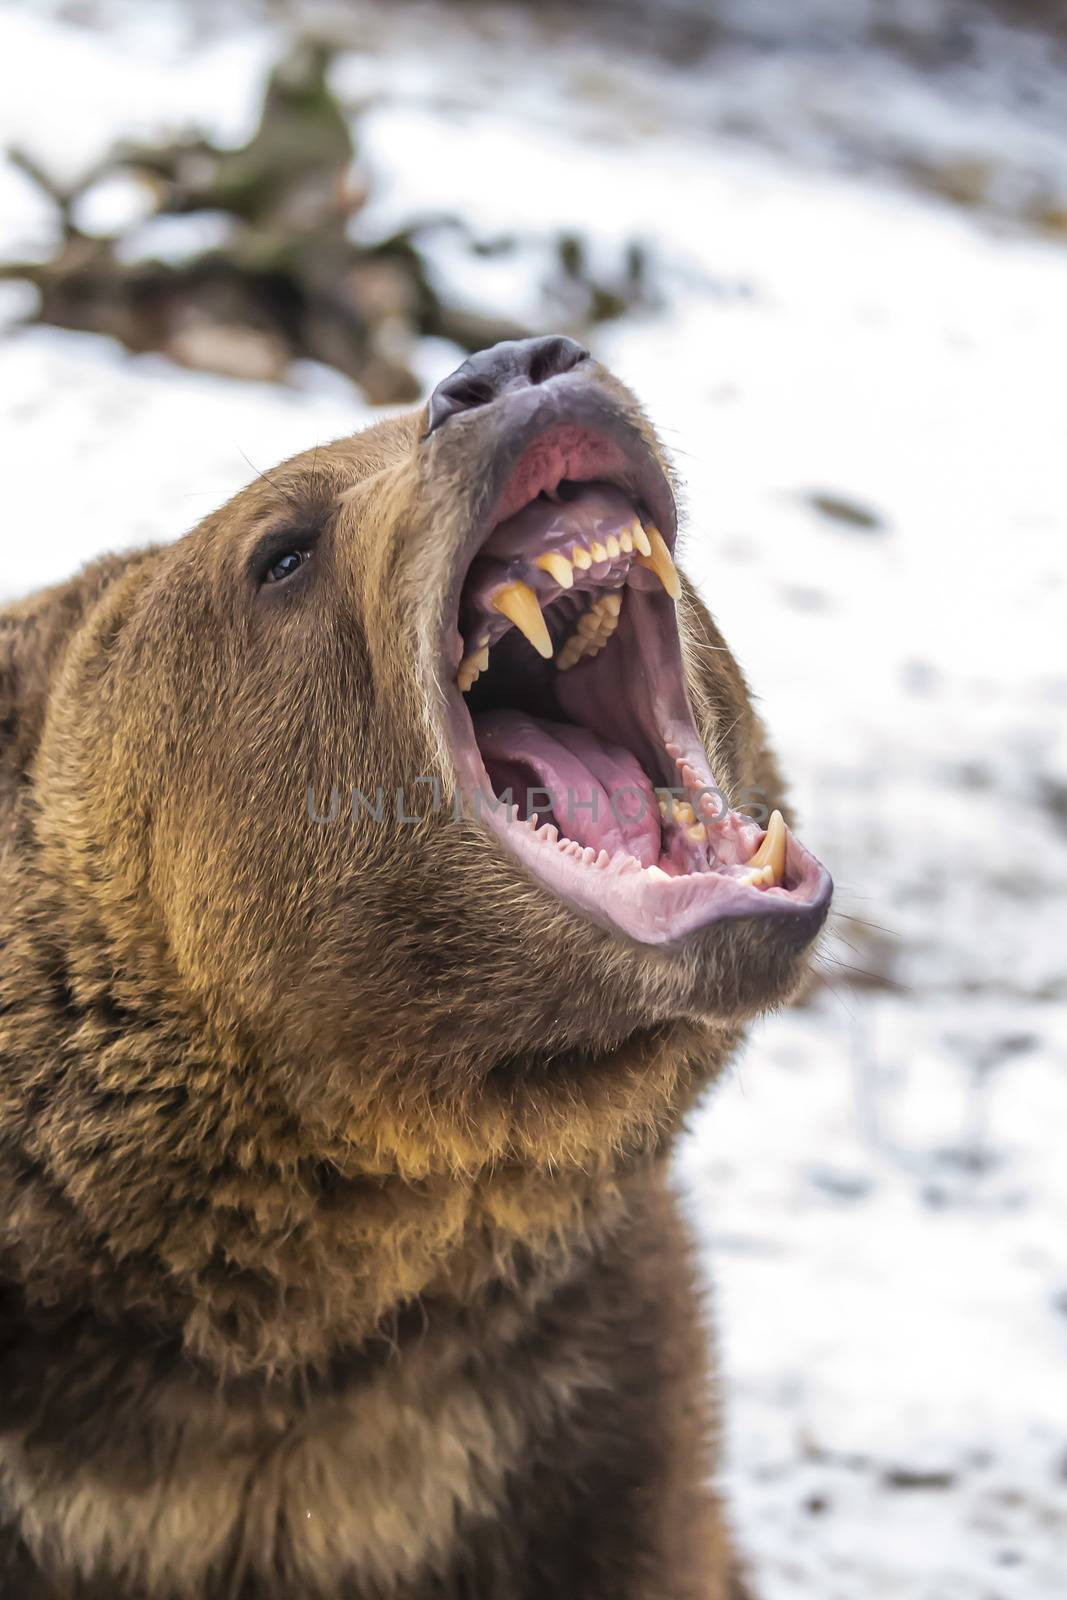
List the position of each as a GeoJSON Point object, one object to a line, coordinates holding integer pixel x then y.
{"type": "Point", "coordinates": [337, 1255]}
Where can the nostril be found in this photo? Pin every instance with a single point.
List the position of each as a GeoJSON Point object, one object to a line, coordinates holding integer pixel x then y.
{"type": "Point", "coordinates": [513, 364]}
{"type": "Point", "coordinates": [467, 393]}
{"type": "Point", "coordinates": [550, 357]}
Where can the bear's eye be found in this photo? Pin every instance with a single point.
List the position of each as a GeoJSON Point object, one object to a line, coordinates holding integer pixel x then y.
{"type": "Point", "coordinates": [284, 566]}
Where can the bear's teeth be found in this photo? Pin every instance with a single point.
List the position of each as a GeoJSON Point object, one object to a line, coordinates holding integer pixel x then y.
{"type": "Point", "coordinates": [592, 631]}
{"type": "Point", "coordinates": [762, 878]}
{"type": "Point", "coordinates": [471, 668]}
{"type": "Point", "coordinates": [771, 854]}
{"type": "Point", "coordinates": [518, 603]}
{"type": "Point", "coordinates": [658, 560]}
{"type": "Point", "coordinates": [558, 568]}
{"type": "Point", "coordinates": [640, 538]}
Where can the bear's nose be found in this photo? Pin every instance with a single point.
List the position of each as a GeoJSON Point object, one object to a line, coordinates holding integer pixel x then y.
{"type": "Point", "coordinates": [511, 365]}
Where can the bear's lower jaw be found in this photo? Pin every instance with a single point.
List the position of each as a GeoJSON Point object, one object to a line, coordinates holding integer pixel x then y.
{"type": "Point", "coordinates": [570, 724]}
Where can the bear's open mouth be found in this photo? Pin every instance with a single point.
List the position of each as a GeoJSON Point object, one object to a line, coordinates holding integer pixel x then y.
{"type": "Point", "coordinates": [572, 728]}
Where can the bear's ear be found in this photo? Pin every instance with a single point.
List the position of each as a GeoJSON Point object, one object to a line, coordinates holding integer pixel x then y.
{"type": "Point", "coordinates": [33, 635]}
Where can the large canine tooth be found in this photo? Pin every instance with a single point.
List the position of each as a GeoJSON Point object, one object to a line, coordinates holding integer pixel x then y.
{"type": "Point", "coordinates": [558, 568]}
{"type": "Point", "coordinates": [659, 561]}
{"type": "Point", "coordinates": [771, 852]}
{"type": "Point", "coordinates": [641, 539]}
{"type": "Point", "coordinates": [518, 603]}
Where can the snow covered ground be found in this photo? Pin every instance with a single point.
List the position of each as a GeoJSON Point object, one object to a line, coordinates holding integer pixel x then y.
{"type": "Point", "coordinates": [866, 392]}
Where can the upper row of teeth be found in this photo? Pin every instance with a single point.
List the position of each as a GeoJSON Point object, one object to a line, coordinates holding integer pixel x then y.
{"type": "Point", "coordinates": [556, 564]}
{"type": "Point", "coordinates": [518, 602]}
{"type": "Point", "coordinates": [595, 627]}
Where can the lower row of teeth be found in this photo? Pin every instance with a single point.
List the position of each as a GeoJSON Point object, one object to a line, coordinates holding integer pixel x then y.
{"type": "Point", "coordinates": [764, 870]}
{"type": "Point", "coordinates": [518, 602]}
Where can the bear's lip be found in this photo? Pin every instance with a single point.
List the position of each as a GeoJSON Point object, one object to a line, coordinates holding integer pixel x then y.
{"type": "Point", "coordinates": [591, 727]}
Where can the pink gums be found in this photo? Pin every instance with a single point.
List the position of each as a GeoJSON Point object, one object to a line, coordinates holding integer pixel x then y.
{"type": "Point", "coordinates": [564, 452]}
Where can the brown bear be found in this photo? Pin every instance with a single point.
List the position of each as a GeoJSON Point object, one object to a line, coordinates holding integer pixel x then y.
{"type": "Point", "coordinates": [373, 910]}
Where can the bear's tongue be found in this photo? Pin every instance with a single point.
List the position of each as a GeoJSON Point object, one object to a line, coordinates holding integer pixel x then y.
{"type": "Point", "coordinates": [597, 793]}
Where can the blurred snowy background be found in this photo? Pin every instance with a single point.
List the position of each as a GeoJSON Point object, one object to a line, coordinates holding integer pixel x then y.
{"type": "Point", "coordinates": [826, 242]}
